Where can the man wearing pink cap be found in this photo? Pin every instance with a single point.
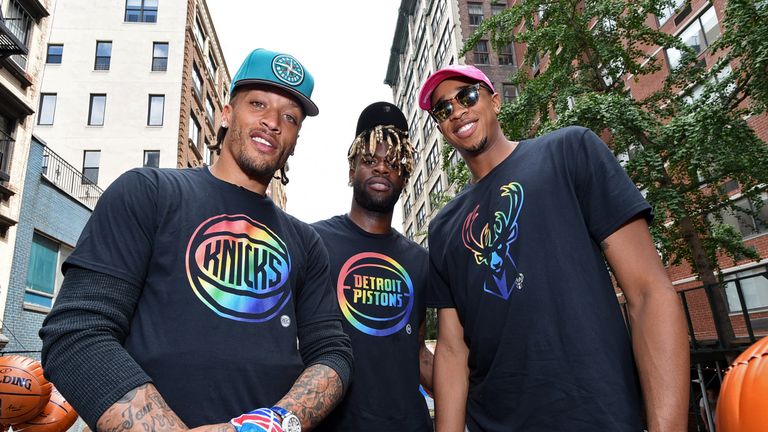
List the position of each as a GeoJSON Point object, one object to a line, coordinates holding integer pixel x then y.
{"type": "Point", "coordinates": [531, 337]}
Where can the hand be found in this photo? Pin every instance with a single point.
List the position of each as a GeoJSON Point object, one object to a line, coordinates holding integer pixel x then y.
{"type": "Point", "coordinates": [258, 420]}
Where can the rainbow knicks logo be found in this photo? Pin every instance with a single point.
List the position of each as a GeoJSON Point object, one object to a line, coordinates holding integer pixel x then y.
{"type": "Point", "coordinates": [375, 293]}
{"type": "Point", "coordinates": [239, 268]}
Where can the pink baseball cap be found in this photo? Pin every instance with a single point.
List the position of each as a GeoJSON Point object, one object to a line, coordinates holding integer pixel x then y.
{"type": "Point", "coordinates": [443, 74]}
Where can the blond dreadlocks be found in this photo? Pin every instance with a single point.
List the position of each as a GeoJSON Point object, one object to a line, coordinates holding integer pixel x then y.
{"type": "Point", "coordinates": [399, 149]}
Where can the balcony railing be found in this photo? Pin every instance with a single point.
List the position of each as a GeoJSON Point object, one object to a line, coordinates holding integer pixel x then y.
{"type": "Point", "coordinates": [6, 147]}
{"type": "Point", "coordinates": [748, 313]}
{"type": "Point", "coordinates": [69, 179]}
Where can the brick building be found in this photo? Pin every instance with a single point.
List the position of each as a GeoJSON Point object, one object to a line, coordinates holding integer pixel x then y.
{"type": "Point", "coordinates": [24, 26]}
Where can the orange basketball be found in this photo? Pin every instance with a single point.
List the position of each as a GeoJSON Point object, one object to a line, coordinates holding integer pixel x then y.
{"type": "Point", "coordinates": [743, 398]}
{"type": "Point", "coordinates": [24, 391]}
{"type": "Point", "coordinates": [57, 416]}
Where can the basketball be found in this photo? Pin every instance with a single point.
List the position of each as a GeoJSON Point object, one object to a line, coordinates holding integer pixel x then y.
{"type": "Point", "coordinates": [24, 391]}
{"type": "Point", "coordinates": [57, 416]}
{"type": "Point", "coordinates": [743, 398]}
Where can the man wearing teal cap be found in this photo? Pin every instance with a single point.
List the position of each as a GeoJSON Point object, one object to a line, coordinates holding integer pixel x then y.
{"type": "Point", "coordinates": [192, 299]}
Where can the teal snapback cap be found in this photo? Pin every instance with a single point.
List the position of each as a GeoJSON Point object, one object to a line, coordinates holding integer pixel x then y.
{"type": "Point", "coordinates": [280, 70]}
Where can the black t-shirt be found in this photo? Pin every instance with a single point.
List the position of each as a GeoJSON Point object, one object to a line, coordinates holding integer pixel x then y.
{"type": "Point", "coordinates": [517, 255]}
{"type": "Point", "coordinates": [380, 282]}
{"type": "Point", "coordinates": [226, 277]}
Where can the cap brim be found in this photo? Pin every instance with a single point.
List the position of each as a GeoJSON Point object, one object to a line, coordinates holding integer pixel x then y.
{"type": "Point", "coordinates": [310, 109]}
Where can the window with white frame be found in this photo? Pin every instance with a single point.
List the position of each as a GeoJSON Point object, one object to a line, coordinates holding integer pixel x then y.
{"type": "Point", "coordinates": [407, 206]}
{"type": "Point", "coordinates": [199, 34]}
{"type": "Point", "coordinates": [497, 8]}
{"type": "Point", "coordinates": [509, 92]}
{"type": "Point", "coordinates": [409, 232]}
{"type": "Point", "coordinates": [416, 151]}
{"type": "Point", "coordinates": [436, 192]}
{"type": "Point", "coordinates": [748, 219]}
{"type": "Point", "coordinates": [209, 110]}
{"type": "Point", "coordinates": [210, 63]}
{"type": "Point", "coordinates": [437, 17]}
{"type": "Point", "coordinates": [698, 35]}
{"type": "Point", "coordinates": [669, 10]}
{"type": "Point", "coordinates": [43, 278]}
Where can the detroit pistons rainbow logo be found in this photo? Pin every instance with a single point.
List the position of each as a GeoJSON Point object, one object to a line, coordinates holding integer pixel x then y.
{"type": "Point", "coordinates": [375, 293]}
{"type": "Point", "coordinates": [239, 268]}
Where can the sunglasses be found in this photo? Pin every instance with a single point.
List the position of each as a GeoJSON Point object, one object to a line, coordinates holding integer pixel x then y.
{"type": "Point", "coordinates": [466, 97]}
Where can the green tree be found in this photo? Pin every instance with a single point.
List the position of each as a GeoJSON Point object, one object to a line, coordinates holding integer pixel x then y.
{"type": "Point", "coordinates": [684, 141]}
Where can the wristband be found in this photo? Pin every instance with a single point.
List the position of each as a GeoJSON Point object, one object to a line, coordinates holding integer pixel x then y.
{"type": "Point", "coordinates": [258, 420]}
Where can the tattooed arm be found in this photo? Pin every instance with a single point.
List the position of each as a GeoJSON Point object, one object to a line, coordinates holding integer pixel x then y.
{"type": "Point", "coordinates": [144, 409]}
{"type": "Point", "coordinates": [313, 395]}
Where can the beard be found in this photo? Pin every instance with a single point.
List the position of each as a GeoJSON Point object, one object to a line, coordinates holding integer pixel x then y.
{"type": "Point", "coordinates": [253, 167]}
{"type": "Point", "coordinates": [378, 204]}
{"type": "Point", "coordinates": [479, 147]}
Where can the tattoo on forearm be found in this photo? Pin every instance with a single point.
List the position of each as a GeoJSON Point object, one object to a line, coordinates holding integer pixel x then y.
{"type": "Point", "coordinates": [314, 394]}
{"type": "Point", "coordinates": [141, 409]}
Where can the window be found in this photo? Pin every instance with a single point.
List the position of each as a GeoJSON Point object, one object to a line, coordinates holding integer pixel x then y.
{"type": "Point", "coordinates": [152, 158]}
{"type": "Point", "coordinates": [669, 10]}
{"type": "Point", "coordinates": [421, 217]}
{"type": "Point", "coordinates": [699, 34]}
{"type": "Point", "coordinates": [754, 288]}
{"type": "Point", "coordinates": [141, 11]}
{"type": "Point", "coordinates": [160, 56]}
{"type": "Point", "coordinates": [409, 232]}
{"type": "Point", "coordinates": [407, 207]}
{"type": "Point", "coordinates": [210, 63]}
{"type": "Point", "coordinates": [422, 62]}
{"type": "Point", "coordinates": [510, 92]}
{"type": "Point", "coordinates": [207, 153]}
{"type": "Point", "coordinates": [209, 111]}
{"type": "Point", "coordinates": [416, 152]}
{"type": "Point", "coordinates": [455, 158]}
{"type": "Point", "coordinates": [436, 192]}
{"type": "Point", "coordinates": [199, 35]}
{"type": "Point", "coordinates": [437, 18]}
{"type": "Point", "coordinates": [91, 166]}
{"type": "Point", "coordinates": [194, 131]}
{"type": "Point", "coordinates": [442, 48]}
{"type": "Point", "coordinates": [96, 109]}
{"type": "Point", "coordinates": [432, 158]}
{"type": "Point", "coordinates": [507, 55]}
{"type": "Point", "coordinates": [418, 186]}
{"type": "Point", "coordinates": [20, 23]}
{"type": "Point", "coordinates": [103, 55]}
{"type": "Point", "coordinates": [47, 109]}
{"type": "Point", "coordinates": [197, 81]}
{"type": "Point", "coordinates": [497, 9]}
{"type": "Point", "coordinates": [424, 243]}
{"type": "Point", "coordinates": [426, 129]}
{"type": "Point", "coordinates": [475, 14]}
{"type": "Point", "coordinates": [55, 52]}
{"type": "Point", "coordinates": [482, 53]}
{"type": "Point", "coordinates": [45, 257]}
{"type": "Point", "coordinates": [156, 110]}
{"type": "Point", "coordinates": [745, 221]}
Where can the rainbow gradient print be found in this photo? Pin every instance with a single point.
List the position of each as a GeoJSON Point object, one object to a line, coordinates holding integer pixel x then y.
{"type": "Point", "coordinates": [375, 293]}
{"type": "Point", "coordinates": [238, 267]}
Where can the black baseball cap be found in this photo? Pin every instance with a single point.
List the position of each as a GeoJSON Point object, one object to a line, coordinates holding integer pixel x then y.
{"type": "Point", "coordinates": [381, 113]}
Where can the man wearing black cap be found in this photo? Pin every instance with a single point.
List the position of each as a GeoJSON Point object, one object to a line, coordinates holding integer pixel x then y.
{"type": "Point", "coordinates": [192, 299]}
{"type": "Point", "coordinates": [380, 278]}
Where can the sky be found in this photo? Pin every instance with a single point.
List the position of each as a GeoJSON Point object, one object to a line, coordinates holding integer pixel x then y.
{"type": "Point", "coordinates": [346, 49]}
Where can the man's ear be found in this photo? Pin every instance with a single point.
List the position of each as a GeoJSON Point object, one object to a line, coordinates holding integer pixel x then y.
{"type": "Point", "coordinates": [496, 102]}
{"type": "Point", "coordinates": [226, 113]}
{"type": "Point", "coordinates": [351, 175]}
